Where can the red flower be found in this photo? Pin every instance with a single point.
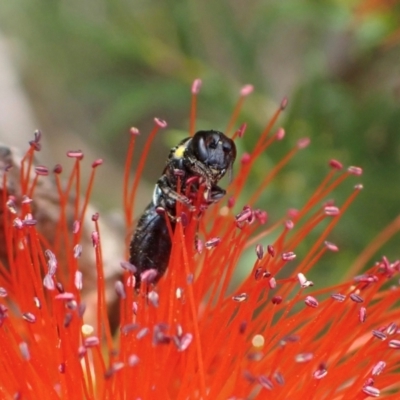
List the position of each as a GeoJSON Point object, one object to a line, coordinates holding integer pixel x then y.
{"type": "Point", "coordinates": [196, 334]}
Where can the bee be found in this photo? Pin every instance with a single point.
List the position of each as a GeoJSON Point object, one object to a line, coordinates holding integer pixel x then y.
{"type": "Point", "coordinates": [198, 161]}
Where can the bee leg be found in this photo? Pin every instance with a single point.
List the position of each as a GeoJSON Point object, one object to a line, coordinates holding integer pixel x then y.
{"type": "Point", "coordinates": [170, 196]}
{"type": "Point", "coordinates": [214, 194]}
{"type": "Point", "coordinates": [162, 210]}
{"type": "Point", "coordinates": [200, 169]}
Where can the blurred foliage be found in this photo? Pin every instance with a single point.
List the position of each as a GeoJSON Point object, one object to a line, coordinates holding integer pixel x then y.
{"type": "Point", "coordinates": [99, 66]}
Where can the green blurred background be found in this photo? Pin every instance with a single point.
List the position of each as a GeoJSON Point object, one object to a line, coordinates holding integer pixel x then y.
{"type": "Point", "coordinates": [94, 68]}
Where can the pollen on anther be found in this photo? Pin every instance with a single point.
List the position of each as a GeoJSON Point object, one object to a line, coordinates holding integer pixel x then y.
{"type": "Point", "coordinates": [258, 340]}
{"type": "Point", "coordinates": [48, 282]}
{"type": "Point", "coordinates": [37, 302]}
{"type": "Point", "coordinates": [303, 357]}
{"type": "Point", "coordinates": [67, 320]}
{"type": "Point", "coordinates": [265, 382]}
{"type": "Point", "coordinates": [126, 329]}
{"type": "Point", "coordinates": [356, 298]}
{"type": "Point", "coordinates": [11, 205]}
{"type": "Point", "coordinates": [392, 329]}
{"type": "Point", "coordinates": [76, 226]}
{"type": "Point", "coordinates": [331, 210]}
{"type": "Point", "coordinates": [240, 297]}
{"type": "Point", "coordinates": [335, 164]}
{"type": "Point", "coordinates": [42, 170]}
{"type": "Point", "coordinates": [255, 356]}
{"type": "Point", "coordinates": [379, 335]}
{"type": "Point", "coordinates": [394, 344]}
{"type": "Point", "coordinates": [97, 162]}
{"type": "Point", "coordinates": [272, 283]}
{"type": "Point", "coordinates": [184, 219]}
{"type": "Point", "coordinates": [378, 368]}
{"type": "Point", "coordinates": [29, 317]}
{"type": "Point", "coordinates": [142, 333]}
{"type": "Point", "coordinates": [128, 267]}
{"type": "Point", "coordinates": [65, 296]}
{"type": "Point", "coordinates": [29, 221]}
{"type": "Point", "coordinates": [242, 327]}
{"type": "Point", "coordinates": [26, 199]}
{"type": "Point", "coordinates": [311, 301]}
{"type": "Point", "coordinates": [276, 300]}
{"type": "Point", "coordinates": [23, 348]}
{"type": "Point", "coordinates": [134, 131]}
{"type": "Point", "coordinates": [320, 373]}
{"type": "Point", "coordinates": [338, 297]}
{"type": "Point", "coordinates": [260, 251]}
{"type": "Point", "coordinates": [78, 280]}
{"type": "Point", "coordinates": [280, 134]}
{"type": "Point", "coordinates": [231, 202]}
{"type": "Point", "coordinates": [153, 298]}
{"type": "Point", "coordinates": [160, 122]}
{"type": "Point", "coordinates": [304, 283]}
{"type": "Point", "coordinates": [261, 216]}
{"type": "Point", "coordinates": [78, 154]}
{"type": "Point", "coordinates": [280, 380]}
{"type": "Point", "coordinates": [87, 329]}
{"type": "Point", "coordinates": [371, 391]}
{"type": "Point", "coordinates": [331, 246]}
{"type": "Point", "coordinates": [214, 242]}
{"type": "Point", "coordinates": [271, 250]}
{"type": "Point", "coordinates": [245, 215]}
{"type": "Point", "coordinates": [289, 224]}
{"type": "Point", "coordinates": [245, 159]}
{"type": "Point", "coordinates": [17, 223]}
{"type": "Point", "coordinates": [196, 86]}
{"type": "Point", "coordinates": [57, 169]}
{"type": "Point", "coordinates": [199, 246]}
{"type": "Point", "coordinates": [149, 276]}
{"type": "Point", "coordinates": [362, 314]}
{"type": "Point", "coordinates": [91, 341]}
{"type": "Point", "coordinates": [120, 290]}
{"type": "Point", "coordinates": [288, 256]}
{"type": "Point", "coordinates": [246, 90]}
{"type": "Point", "coordinates": [303, 143]}
{"type": "Point", "coordinates": [133, 360]}
{"type": "Point", "coordinates": [355, 170]}
{"type": "Point", "coordinates": [185, 341]}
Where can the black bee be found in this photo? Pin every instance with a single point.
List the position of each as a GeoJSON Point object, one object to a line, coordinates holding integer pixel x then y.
{"type": "Point", "coordinates": [199, 160]}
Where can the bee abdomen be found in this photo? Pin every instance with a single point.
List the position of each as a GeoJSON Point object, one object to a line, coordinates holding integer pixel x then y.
{"type": "Point", "coordinates": [150, 247]}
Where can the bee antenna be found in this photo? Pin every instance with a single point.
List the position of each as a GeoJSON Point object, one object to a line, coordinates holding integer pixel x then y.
{"type": "Point", "coordinates": [230, 173]}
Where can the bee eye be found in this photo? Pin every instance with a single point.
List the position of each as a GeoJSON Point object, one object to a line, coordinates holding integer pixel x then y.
{"type": "Point", "coordinates": [227, 147]}
{"type": "Point", "coordinates": [201, 149]}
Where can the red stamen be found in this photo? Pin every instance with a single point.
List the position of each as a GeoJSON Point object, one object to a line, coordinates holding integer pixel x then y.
{"type": "Point", "coordinates": [195, 91]}
{"type": "Point", "coordinates": [244, 92]}
{"type": "Point", "coordinates": [128, 162]}
{"type": "Point", "coordinates": [131, 197]}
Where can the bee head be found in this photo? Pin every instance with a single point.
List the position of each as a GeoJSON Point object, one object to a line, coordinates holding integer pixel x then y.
{"type": "Point", "coordinates": [215, 151]}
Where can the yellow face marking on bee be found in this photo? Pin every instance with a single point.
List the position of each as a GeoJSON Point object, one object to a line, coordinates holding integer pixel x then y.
{"type": "Point", "coordinates": [178, 153]}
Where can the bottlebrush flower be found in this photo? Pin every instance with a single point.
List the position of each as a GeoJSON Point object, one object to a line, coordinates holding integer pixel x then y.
{"type": "Point", "coordinates": [275, 335]}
